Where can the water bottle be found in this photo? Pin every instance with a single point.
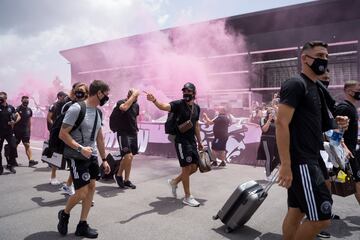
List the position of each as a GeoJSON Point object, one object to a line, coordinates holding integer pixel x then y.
{"type": "Point", "coordinates": [336, 137]}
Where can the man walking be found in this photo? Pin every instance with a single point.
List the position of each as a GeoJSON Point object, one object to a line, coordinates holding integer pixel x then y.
{"type": "Point", "coordinates": [127, 137]}
{"type": "Point", "coordinates": [80, 150]}
{"type": "Point", "coordinates": [187, 129]}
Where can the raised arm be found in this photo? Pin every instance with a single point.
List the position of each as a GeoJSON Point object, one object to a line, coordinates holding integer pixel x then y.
{"type": "Point", "coordinates": [159, 105]}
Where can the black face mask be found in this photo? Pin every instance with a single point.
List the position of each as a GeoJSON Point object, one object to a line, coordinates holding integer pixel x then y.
{"type": "Point", "coordinates": [356, 96]}
{"type": "Point", "coordinates": [319, 65]}
{"type": "Point", "coordinates": [79, 94]}
{"type": "Point", "coordinates": [325, 83]}
{"type": "Point", "coordinates": [2, 100]}
{"type": "Point", "coordinates": [25, 104]}
{"type": "Point", "coordinates": [103, 100]}
{"type": "Point", "coordinates": [188, 97]}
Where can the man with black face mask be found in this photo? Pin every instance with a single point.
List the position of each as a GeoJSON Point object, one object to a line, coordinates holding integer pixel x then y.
{"type": "Point", "coordinates": [8, 119]}
{"type": "Point", "coordinates": [23, 128]}
{"type": "Point", "coordinates": [127, 137]}
{"type": "Point", "coordinates": [81, 151]}
{"type": "Point", "coordinates": [187, 112]}
{"type": "Point", "coordinates": [299, 137]}
{"type": "Point", "coordinates": [347, 108]}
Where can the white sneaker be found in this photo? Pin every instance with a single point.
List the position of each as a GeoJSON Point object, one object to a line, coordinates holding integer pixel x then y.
{"type": "Point", "coordinates": [68, 190]}
{"type": "Point", "coordinates": [191, 201]}
{"type": "Point", "coordinates": [173, 188]}
{"type": "Point", "coordinates": [54, 181]}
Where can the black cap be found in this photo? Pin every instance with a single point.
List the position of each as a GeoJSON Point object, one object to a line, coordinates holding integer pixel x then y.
{"type": "Point", "coordinates": [61, 94]}
{"type": "Point", "coordinates": [189, 86]}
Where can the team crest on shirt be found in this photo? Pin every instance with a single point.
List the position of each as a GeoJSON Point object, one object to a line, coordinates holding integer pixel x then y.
{"type": "Point", "coordinates": [9, 110]}
{"type": "Point", "coordinates": [85, 176]}
{"type": "Point", "coordinates": [189, 159]}
{"type": "Point", "coordinates": [326, 207]}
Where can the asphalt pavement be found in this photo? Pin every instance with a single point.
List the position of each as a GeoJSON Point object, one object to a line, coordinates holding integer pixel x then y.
{"type": "Point", "coordinates": [29, 205]}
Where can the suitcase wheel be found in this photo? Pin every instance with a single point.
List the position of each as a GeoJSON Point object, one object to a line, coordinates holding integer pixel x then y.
{"type": "Point", "coordinates": [228, 229]}
{"type": "Point", "coordinates": [216, 217]}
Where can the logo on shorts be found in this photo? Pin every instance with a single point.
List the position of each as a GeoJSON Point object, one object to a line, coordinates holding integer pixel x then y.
{"type": "Point", "coordinates": [125, 149]}
{"type": "Point", "coordinates": [85, 176]}
{"type": "Point", "coordinates": [326, 207]}
{"type": "Point", "coordinates": [189, 159]}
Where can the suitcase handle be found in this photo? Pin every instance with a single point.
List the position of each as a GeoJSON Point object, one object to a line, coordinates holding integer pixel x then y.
{"type": "Point", "coordinates": [273, 180]}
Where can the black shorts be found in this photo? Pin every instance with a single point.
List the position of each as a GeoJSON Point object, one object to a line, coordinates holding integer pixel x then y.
{"type": "Point", "coordinates": [187, 153]}
{"type": "Point", "coordinates": [323, 168]}
{"type": "Point", "coordinates": [82, 171]}
{"type": "Point", "coordinates": [219, 144]}
{"type": "Point", "coordinates": [309, 193]}
{"type": "Point", "coordinates": [128, 144]}
{"type": "Point", "coordinates": [22, 137]}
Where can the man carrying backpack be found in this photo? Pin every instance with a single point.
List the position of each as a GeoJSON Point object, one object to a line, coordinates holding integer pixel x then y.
{"type": "Point", "coordinates": [186, 113]}
{"type": "Point", "coordinates": [80, 150]}
{"type": "Point", "coordinates": [123, 121]}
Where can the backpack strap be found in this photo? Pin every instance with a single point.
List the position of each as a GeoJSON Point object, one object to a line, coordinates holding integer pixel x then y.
{"type": "Point", "coordinates": [81, 116]}
{"type": "Point", "coordinates": [92, 137]}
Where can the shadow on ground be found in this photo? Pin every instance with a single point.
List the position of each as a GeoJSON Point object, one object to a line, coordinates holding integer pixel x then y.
{"type": "Point", "coordinates": [49, 235]}
{"type": "Point", "coordinates": [345, 227]}
{"type": "Point", "coordinates": [163, 206]}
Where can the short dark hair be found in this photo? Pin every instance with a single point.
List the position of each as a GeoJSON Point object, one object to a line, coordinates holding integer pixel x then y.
{"type": "Point", "coordinates": [312, 44]}
{"type": "Point", "coordinates": [3, 93]}
{"type": "Point", "coordinates": [98, 85]}
{"type": "Point", "coordinates": [349, 84]}
{"type": "Point", "coordinates": [61, 94]}
{"type": "Point", "coordinates": [24, 97]}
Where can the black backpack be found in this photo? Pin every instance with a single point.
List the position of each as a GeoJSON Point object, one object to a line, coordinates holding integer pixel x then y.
{"type": "Point", "coordinates": [55, 143]}
{"type": "Point", "coordinates": [114, 119]}
{"type": "Point", "coordinates": [171, 123]}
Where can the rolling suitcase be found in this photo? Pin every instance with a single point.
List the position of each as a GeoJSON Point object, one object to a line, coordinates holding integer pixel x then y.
{"type": "Point", "coordinates": [243, 203]}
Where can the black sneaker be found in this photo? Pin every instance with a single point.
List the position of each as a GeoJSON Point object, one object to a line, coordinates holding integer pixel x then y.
{"type": "Point", "coordinates": [32, 163]}
{"type": "Point", "coordinates": [120, 182]}
{"type": "Point", "coordinates": [335, 217]}
{"type": "Point", "coordinates": [129, 184]}
{"type": "Point", "coordinates": [63, 222]}
{"type": "Point", "coordinates": [83, 229]}
{"type": "Point", "coordinates": [16, 164]}
{"type": "Point", "coordinates": [11, 169]}
{"type": "Point", "coordinates": [323, 234]}
{"type": "Point", "coordinates": [1, 170]}
{"type": "Point", "coordinates": [214, 163]}
{"type": "Point", "coordinates": [222, 164]}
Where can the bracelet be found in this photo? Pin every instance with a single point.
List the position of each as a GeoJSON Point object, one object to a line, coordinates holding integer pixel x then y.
{"type": "Point", "coordinates": [154, 101]}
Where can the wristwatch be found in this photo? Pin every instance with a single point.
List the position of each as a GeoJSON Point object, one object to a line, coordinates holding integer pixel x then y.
{"type": "Point", "coordinates": [79, 148]}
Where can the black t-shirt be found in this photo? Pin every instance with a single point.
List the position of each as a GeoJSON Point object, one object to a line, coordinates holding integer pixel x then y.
{"type": "Point", "coordinates": [182, 112]}
{"type": "Point", "coordinates": [25, 114]}
{"type": "Point", "coordinates": [221, 126]}
{"type": "Point", "coordinates": [305, 126]}
{"type": "Point", "coordinates": [7, 113]}
{"type": "Point", "coordinates": [346, 108]}
{"type": "Point", "coordinates": [128, 123]}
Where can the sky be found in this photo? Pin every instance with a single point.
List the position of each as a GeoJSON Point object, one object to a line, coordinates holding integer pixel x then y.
{"type": "Point", "coordinates": [32, 32]}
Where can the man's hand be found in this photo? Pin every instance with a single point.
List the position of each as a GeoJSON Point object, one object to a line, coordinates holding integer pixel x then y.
{"type": "Point", "coordinates": [87, 152]}
{"type": "Point", "coordinates": [200, 146]}
{"type": "Point", "coordinates": [150, 97]}
{"type": "Point", "coordinates": [285, 176]}
{"type": "Point", "coordinates": [106, 167]}
{"type": "Point", "coordinates": [135, 92]}
{"type": "Point", "coordinates": [342, 122]}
